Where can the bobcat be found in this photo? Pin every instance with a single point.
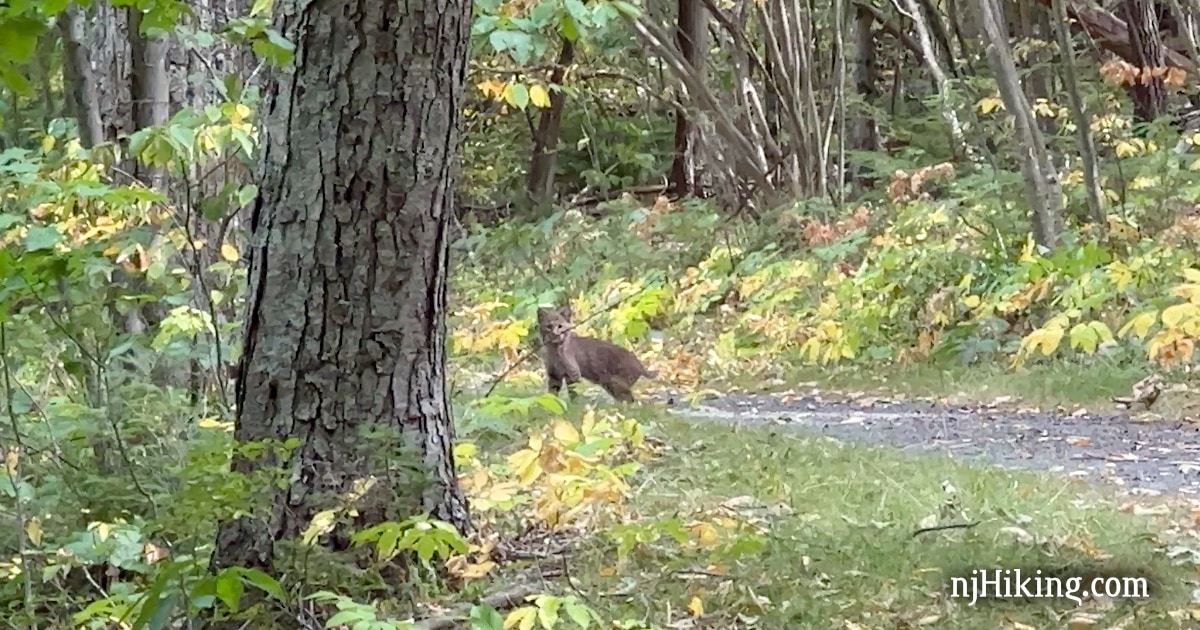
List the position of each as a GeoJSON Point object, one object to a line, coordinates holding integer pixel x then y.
{"type": "Point", "coordinates": [569, 356]}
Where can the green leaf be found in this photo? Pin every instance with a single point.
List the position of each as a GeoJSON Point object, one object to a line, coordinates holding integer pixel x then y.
{"type": "Point", "coordinates": [52, 8]}
{"type": "Point", "coordinates": [275, 48]}
{"type": "Point", "coordinates": [568, 28]}
{"type": "Point", "coordinates": [213, 208]}
{"type": "Point", "coordinates": [517, 95]}
{"type": "Point", "coordinates": [261, 7]}
{"type": "Point", "coordinates": [579, 613]}
{"type": "Point", "coordinates": [229, 590]}
{"type": "Point", "coordinates": [156, 270]}
{"type": "Point", "coordinates": [263, 581]}
{"type": "Point", "coordinates": [9, 220]}
{"type": "Point", "coordinates": [577, 11]}
{"type": "Point", "coordinates": [517, 44]}
{"type": "Point", "coordinates": [484, 617]}
{"type": "Point", "coordinates": [15, 80]}
{"type": "Point", "coordinates": [18, 37]}
{"type": "Point", "coordinates": [42, 237]}
{"type": "Point", "coordinates": [162, 610]}
{"type": "Point", "coordinates": [248, 193]}
{"type": "Point", "coordinates": [626, 9]}
{"type": "Point", "coordinates": [350, 615]}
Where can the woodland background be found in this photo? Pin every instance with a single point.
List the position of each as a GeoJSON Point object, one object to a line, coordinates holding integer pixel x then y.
{"type": "Point", "coordinates": [978, 198]}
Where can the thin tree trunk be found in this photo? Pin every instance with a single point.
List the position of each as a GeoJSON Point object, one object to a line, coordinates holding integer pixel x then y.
{"type": "Point", "coordinates": [866, 133]}
{"type": "Point", "coordinates": [81, 81]}
{"type": "Point", "coordinates": [345, 323]}
{"type": "Point", "coordinates": [149, 87]}
{"type": "Point", "coordinates": [545, 141]}
{"type": "Point", "coordinates": [691, 38]}
{"type": "Point", "coordinates": [1087, 150]}
{"type": "Point", "coordinates": [942, 83]}
{"type": "Point", "coordinates": [1041, 190]}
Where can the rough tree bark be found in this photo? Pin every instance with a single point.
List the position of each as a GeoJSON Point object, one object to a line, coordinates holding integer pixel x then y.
{"type": "Point", "coordinates": [345, 322]}
{"type": "Point", "coordinates": [691, 38]}
{"type": "Point", "coordinates": [1149, 95]}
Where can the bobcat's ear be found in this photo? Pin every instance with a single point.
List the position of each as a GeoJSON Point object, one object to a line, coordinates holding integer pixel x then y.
{"type": "Point", "coordinates": [566, 312]}
{"type": "Point", "coordinates": [544, 312]}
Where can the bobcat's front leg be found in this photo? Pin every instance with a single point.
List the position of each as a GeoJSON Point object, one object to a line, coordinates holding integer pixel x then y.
{"type": "Point", "coordinates": [572, 377]}
{"type": "Point", "coordinates": [554, 382]}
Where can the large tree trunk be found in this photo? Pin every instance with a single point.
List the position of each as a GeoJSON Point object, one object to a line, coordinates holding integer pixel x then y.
{"type": "Point", "coordinates": [345, 323]}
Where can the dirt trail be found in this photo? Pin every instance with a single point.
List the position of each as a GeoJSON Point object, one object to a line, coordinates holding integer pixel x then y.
{"type": "Point", "coordinates": [1159, 456]}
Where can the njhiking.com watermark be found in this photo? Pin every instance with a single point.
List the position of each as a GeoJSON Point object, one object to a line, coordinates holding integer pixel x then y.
{"type": "Point", "coordinates": [1025, 584]}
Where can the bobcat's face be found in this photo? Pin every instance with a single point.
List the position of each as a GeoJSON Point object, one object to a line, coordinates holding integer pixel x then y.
{"type": "Point", "coordinates": [554, 324]}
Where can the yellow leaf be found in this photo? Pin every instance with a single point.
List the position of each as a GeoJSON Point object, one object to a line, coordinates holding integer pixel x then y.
{"type": "Point", "coordinates": [1084, 337]}
{"type": "Point", "coordinates": [464, 452]}
{"type": "Point", "coordinates": [525, 463]}
{"type": "Point", "coordinates": [1142, 182]}
{"type": "Point", "coordinates": [1103, 331]}
{"type": "Point", "coordinates": [230, 253]}
{"type": "Point", "coordinates": [48, 142]}
{"type": "Point", "coordinates": [33, 529]}
{"type": "Point", "coordinates": [322, 523]}
{"type": "Point", "coordinates": [705, 534]}
{"type": "Point", "coordinates": [696, 607]}
{"type": "Point", "coordinates": [1192, 275]}
{"type": "Point", "coordinates": [989, 104]}
{"type": "Point", "coordinates": [565, 433]}
{"type": "Point", "coordinates": [607, 571]}
{"type": "Point", "coordinates": [12, 460]}
{"type": "Point", "coordinates": [215, 423]}
{"type": "Point", "coordinates": [811, 350]}
{"type": "Point", "coordinates": [1188, 291]}
{"type": "Point", "coordinates": [1045, 339]}
{"type": "Point", "coordinates": [524, 616]}
{"type": "Point", "coordinates": [539, 96]}
{"type": "Point", "coordinates": [1140, 325]}
{"type": "Point", "coordinates": [491, 87]}
{"type": "Point", "coordinates": [103, 530]}
{"type": "Point", "coordinates": [1124, 149]}
{"type": "Point", "coordinates": [1176, 314]}
{"type": "Point", "coordinates": [240, 113]}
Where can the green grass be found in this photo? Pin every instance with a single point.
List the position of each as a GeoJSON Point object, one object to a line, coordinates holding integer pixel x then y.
{"type": "Point", "coordinates": [840, 551]}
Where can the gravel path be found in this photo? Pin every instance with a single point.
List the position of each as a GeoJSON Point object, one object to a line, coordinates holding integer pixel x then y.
{"type": "Point", "coordinates": [1157, 456]}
